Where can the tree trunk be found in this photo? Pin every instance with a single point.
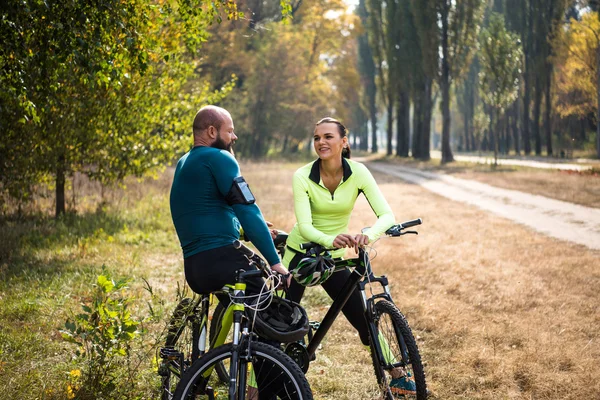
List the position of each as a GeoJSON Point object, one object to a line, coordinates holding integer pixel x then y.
{"type": "Point", "coordinates": [493, 136]}
{"type": "Point", "coordinates": [60, 186]}
{"type": "Point", "coordinates": [467, 127]}
{"type": "Point", "coordinates": [416, 128]}
{"type": "Point", "coordinates": [285, 144]}
{"type": "Point", "coordinates": [426, 123]}
{"type": "Point", "coordinates": [598, 95]}
{"type": "Point", "coordinates": [537, 108]}
{"type": "Point", "coordinates": [516, 128]}
{"type": "Point", "coordinates": [390, 123]}
{"type": "Point", "coordinates": [507, 135]}
{"type": "Point", "coordinates": [445, 86]}
{"type": "Point", "coordinates": [402, 124]}
{"type": "Point", "coordinates": [548, 110]}
{"type": "Point", "coordinates": [528, 40]}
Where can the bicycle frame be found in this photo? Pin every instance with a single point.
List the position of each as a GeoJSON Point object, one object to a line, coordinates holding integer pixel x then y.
{"type": "Point", "coordinates": [362, 268]}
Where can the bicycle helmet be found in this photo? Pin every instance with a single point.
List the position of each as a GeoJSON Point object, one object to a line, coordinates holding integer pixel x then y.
{"type": "Point", "coordinates": [312, 270]}
{"type": "Point", "coordinates": [282, 321]}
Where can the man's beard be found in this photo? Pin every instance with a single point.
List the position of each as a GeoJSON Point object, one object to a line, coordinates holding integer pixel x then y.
{"type": "Point", "coordinates": [219, 143]}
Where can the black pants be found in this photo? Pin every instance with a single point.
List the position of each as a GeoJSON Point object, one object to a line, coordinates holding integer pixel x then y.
{"type": "Point", "coordinates": [353, 310]}
{"type": "Point", "coordinates": [210, 270]}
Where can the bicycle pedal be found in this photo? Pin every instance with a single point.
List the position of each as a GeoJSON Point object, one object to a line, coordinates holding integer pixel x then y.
{"type": "Point", "coordinates": [170, 354]}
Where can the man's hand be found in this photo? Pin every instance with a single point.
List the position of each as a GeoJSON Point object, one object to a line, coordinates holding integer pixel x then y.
{"type": "Point", "coordinates": [283, 271]}
{"type": "Point", "coordinates": [274, 232]}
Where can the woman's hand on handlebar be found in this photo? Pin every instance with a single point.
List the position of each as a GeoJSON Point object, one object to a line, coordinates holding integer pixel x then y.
{"type": "Point", "coordinates": [346, 240]}
{"type": "Point", "coordinates": [359, 241]}
{"type": "Point", "coordinates": [343, 240]}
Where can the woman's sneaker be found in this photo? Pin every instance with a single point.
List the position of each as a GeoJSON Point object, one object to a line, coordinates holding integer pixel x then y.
{"type": "Point", "coordinates": [404, 385]}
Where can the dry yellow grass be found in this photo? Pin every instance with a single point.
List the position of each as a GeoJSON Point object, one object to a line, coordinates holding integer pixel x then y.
{"type": "Point", "coordinates": [501, 312]}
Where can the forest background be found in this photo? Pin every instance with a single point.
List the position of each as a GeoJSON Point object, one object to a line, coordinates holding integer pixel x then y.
{"type": "Point", "coordinates": [108, 90]}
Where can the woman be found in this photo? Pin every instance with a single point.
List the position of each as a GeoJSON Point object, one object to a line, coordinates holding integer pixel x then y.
{"type": "Point", "coordinates": [325, 192]}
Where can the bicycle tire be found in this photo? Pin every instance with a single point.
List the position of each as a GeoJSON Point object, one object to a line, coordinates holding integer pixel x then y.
{"type": "Point", "coordinates": [183, 334]}
{"type": "Point", "coordinates": [215, 323]}
{"type": "Point", "coordinates": [394, 328]}
{"type": "Point", "coordinates": [278, 376]}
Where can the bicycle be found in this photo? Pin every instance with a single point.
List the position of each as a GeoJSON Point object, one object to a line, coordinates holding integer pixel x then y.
{"type": "Point", "coordinates": [277, 376]}
{"type": "Point", "coordinates": [388, 328]}
{"type": "Point", "coordinates": [186, 332]}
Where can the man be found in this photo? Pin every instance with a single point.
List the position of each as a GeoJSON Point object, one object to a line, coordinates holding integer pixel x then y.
{"type": "Point", "coordinates": [209, 201]}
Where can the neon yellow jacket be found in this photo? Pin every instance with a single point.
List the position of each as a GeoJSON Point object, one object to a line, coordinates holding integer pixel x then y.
{"type": "Point", "coordinates": [321, 216]}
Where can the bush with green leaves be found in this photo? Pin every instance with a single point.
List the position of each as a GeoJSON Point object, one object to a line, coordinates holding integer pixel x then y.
{"type": "Point", "coordinates": [103, 334]}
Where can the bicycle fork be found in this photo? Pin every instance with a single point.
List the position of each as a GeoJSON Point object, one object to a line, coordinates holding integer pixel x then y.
{"type": "Point", "coordinates": [234, 369]}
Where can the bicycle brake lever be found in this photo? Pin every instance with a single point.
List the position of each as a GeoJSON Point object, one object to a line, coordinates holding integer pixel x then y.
{"type": "Point", "coordinates": [407, 232]}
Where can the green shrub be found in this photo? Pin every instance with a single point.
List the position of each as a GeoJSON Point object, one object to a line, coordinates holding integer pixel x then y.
{"type": "Point", "coordinates": [103, 334]}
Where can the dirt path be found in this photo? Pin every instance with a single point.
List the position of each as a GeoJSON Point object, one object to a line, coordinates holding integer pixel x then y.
{"type": "Point", "coordinates": [530, 162]}
{"type": "Point", "coordinates": [555, 218]}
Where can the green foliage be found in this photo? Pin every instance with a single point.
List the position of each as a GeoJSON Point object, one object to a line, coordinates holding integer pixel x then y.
{"type": "Point", "coordinates": [100, 88]}
{"type": "Point", "coordinates": [501, 59]}
{"type": "Point", "coordinates": [103, 334]}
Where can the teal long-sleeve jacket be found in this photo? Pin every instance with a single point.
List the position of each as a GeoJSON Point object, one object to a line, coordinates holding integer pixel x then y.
{"type": "Point", "coordinates": [202, 217]}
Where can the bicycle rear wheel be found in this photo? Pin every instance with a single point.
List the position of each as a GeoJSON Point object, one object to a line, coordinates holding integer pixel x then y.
{"type": "Point", "coordinates": [183, 335]}
{"type": "Point", "coordinates": [277, 376]}
{"type": "Point", "coordinates": [394, 333]}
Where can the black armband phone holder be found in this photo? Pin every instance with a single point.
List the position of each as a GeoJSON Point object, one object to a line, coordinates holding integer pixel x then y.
{"type": "Point", "coordinates": [240, 192]}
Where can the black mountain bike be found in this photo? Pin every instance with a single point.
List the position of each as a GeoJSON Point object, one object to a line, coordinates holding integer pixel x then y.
{"type": "Point", "coordinates": [389, 331]}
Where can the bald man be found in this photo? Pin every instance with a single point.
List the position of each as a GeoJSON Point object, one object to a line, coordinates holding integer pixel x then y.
{"type": "Point", "coordinates": [210, 200]}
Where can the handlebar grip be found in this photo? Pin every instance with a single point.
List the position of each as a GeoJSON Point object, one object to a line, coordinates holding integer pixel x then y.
{"type": "Point", "coordinates": [240, 246]}
{"type": "Point", "coordinates": [280, 239]}
{"type": "Point", "coordinates": [243, 275]}
{"type": "Point", "coordinates": [414, 222]}
{"type": "Point", "coordinates": [308, 246]}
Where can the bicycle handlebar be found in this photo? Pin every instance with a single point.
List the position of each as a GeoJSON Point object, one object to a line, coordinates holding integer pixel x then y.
{"type": "Point", "coordinates": [414, 222]}
{"type": "Point", "coordinates": [240, 246]}
{"type": "Point", "coordinates": [395, 230]}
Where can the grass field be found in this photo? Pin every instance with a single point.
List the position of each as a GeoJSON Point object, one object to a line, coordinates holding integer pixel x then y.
{"type": "Point", "coordinates": [500, 312]}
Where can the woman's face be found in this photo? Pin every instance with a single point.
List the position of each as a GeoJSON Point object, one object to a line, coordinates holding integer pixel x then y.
{"type": "Point", "coordinates": [328, 141]}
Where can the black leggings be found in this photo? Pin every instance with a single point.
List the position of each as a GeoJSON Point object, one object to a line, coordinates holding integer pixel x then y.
{"type": "Point", "coordinates": [210, 270]}
{"type": "Point", "coordinates": [353, 310]}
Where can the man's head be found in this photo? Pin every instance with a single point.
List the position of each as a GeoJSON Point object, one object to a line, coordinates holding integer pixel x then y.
{"type": "Point", "coordinates": [213, 127]}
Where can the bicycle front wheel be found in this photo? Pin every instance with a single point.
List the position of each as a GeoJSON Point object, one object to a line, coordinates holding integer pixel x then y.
{"type": "Point", "coordinates": [401, 358]}
{"type": "Point", "coordinates": [277, 376]}
{"type": "Point", "coordinates": [183, 334]}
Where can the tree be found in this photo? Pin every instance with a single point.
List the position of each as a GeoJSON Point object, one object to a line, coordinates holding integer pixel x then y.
{"type": "Point", "coordinates": [383, 35]}
{"type": "Point", "coordinates": [426, 23]}
{"type": "Point", "coordinates": [500, 57]}
{"type": "Point", "coordinates": [367, 70]}
{"type": "Point", "coordinates": [460, 21]}
{"type": "Point", "coordinates": [577, 64]}
{"type": "Point", "coordinates": [105, 99]}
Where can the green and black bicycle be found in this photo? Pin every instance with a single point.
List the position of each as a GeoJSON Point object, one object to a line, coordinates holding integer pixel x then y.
{"type": "Point", "coordinates": [247, 365]}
